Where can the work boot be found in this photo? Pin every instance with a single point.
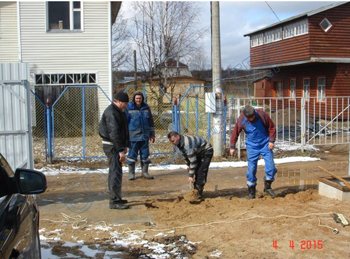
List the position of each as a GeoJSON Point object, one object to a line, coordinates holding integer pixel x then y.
{"type": "Point", "coordinates": [118, 205]}
{"type": "Point", "coordinates": [196, 196]}
{"type": "Point", "coordinates": [251, 192]}
{"type": "Point", "coordinates": [268, 189]}
{"type": "Point", "coordinates": [131, 168]}
{"type": "Point", "coordinates": [145, 174]}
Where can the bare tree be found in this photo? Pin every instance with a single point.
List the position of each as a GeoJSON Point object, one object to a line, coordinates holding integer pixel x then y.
{"type": "Point", "coordinates": [199, 61]}
{"type": "Point", "coordinates": [121, 51]}
{"type": "Point", "coordinates": [165, 30]}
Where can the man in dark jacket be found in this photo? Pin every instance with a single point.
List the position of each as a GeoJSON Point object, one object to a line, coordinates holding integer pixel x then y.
{"type": "Point", "coordinates": [141, 131]}
{"type": "Point", "coordinates": [198, 154]}
{"type": "Point", "coordinates": [260, 138]}
{"type": "Point", "coordinates": [113, 129]}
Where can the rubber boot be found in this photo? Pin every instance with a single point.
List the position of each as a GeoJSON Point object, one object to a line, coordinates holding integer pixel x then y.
{"type": "Point", "coordinates": [131, 171]}
{"type": "Point", "coordinates": [268, 189]}
{"type": "Point", "coordinates": [145, 173]}
{"type": "Point", "coordinates": [251, 192]}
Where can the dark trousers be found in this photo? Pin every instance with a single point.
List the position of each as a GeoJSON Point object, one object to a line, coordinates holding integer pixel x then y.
{"type": "Point", "coordinates": [202, 170]}
{"type": "Point", "coordinates": [115, 173]}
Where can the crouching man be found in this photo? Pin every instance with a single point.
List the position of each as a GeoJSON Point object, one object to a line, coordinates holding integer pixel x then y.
{"type": "Point", "coordinates": [198, 154]}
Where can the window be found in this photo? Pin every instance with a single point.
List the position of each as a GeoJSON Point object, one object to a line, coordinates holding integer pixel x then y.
{"type": "Point", "coordinates": [273, 35]}
{"type": "Point", "coordinates": [321, 89]}
{"type": "Point", "coordinates": [292, 85]}
{"type": "Point", "coordinates": [285, 32]}
{"type": "Point", "coordinates": [279, 88]}
{"type": "Point", "coordinates": [325, 25]}
{"type": "Point", "coordinates": [65, 15]}
{"type": "Point", "coordinates": [306, 88]}
{"type": "Point", "coordinates": [257, 40]}
{"type": "Point", "coordinates": [65, 79]}
{"type": "Point", "coordinates": [295, 29]}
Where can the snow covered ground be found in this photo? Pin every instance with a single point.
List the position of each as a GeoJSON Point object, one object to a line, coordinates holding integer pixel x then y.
{"type": "Point", "coordinates": [117, 245]}
{"type": "Point", "coordinates": [213, 165]}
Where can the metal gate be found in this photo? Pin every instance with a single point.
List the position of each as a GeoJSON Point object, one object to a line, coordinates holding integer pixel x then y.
{"type": "Point", "coordinates": [301, 122]}
{"type": "Point", "coordinates": [15, 115]}
{"type": "Point", "coordinates": [67, 127]}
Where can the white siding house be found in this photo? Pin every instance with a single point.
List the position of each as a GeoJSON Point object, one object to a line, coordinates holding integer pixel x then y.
{"type": "Point", "coordinates": [9, 41]}
{"type": "Point", "coordinates": [79, 43]}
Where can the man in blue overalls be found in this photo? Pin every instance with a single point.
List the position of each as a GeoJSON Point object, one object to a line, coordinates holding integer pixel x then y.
{"type": "Point", "coordinates": [260, 137]}
{"type": "Point", "coordinates": [141, 131]}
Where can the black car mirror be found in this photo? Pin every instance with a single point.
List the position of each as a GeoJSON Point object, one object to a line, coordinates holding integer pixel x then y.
{"type": "Point", "coordinates": [30, 181]}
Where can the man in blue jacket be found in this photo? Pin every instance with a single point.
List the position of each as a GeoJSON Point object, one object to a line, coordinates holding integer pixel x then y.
{"type": "Point", "coordinates": [260, 138]}
{"type": "Point", "coordinates": [141, 131]}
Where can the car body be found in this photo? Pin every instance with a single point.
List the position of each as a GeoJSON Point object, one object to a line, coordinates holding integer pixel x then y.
{"type": "Point", "coordinates": [19, 214]}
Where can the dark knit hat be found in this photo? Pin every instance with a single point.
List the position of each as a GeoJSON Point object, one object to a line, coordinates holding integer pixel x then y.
{"type": "Point", "coordinates": [121, 96]}
{"type": "Point", "coordinates": [248, 111]}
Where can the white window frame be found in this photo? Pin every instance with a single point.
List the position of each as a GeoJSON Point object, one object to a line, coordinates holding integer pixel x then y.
{"type": "Point", "coordinates": [295, 29]}
{"type": "Point", "coordinates": [257, 40]}
{"type": "Point", "coordinates": [87, 78]}
{"type": "Point", "coordinates": [292, 92]}
{"type": "Point", "coordinates": [71, 17]}
{"type": "Point", "coordinates": [321, 89]}
{"type": "Point", "coordinates": [330, 25]}
{"type": "Point", "coordinates": [273, 35]}
{"type": "Point", "coordinates": [306, 88]}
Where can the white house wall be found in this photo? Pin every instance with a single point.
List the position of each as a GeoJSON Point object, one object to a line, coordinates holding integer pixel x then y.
{"type": "Point", "coordinates": [8, 32]}
{"type": "Point", "coordinates": [87, 51]}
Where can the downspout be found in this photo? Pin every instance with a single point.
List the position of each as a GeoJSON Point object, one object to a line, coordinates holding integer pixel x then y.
{"type": "Point", "coordinates": [110, 80]}
{"type": "Point", "coordinates": [19, 32]}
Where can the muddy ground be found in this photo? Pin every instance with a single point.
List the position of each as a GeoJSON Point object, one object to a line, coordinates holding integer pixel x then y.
{"type": "Point", "coordinates": [298, 223]}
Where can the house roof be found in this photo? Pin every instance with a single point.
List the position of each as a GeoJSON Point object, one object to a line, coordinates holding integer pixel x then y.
{"type": "Point", "coordinates": [172, 63]}
{"type": "Point", "coordinates": [115, 7]}
{"type": "Point", "coordinates": [306, 14]}
{"type": "Point", "coordinates": [183, 78]}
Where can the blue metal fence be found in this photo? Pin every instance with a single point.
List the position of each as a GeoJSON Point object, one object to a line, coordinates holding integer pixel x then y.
{"type": "Point", "coordinates": [71, 133]}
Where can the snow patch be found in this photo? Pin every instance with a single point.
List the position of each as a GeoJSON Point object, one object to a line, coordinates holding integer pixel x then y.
{"type": "Point", "coordinates": [213, 165]}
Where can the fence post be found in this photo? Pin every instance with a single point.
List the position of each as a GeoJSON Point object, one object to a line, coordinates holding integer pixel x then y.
{"type": "Point", "coordinates": [238, 102]}
{"type": "Point", "coordinates": [29, 123]}
{"type": "Point", "coordinates": [349, 161]}
{"type": "Point", "coordinates": [187, 112]}
{"type": "Point", "coordinates": [48, 115]}
{"type": "Point", "coordinates": [83, 122]}
{"type": "Point", "coordinates": [303, 124]}
{"type": "Point", "coordinates": [197, 114]}
{"type": "Point", "coordinates": [209, 127]}
{"type": "Point", "coordinates": [225, 122]}
{"type": "Point", "coordinates": [175, 115]}
{"type": "Point", "coordinates": [144, 92]}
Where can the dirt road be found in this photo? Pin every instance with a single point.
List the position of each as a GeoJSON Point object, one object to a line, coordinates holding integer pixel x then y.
{"type": "Point", "coordinates": [162, 224]}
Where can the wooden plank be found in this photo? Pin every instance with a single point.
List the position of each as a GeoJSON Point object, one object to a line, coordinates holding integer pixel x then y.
{"type": "Point", "coordinates": [347, 184]}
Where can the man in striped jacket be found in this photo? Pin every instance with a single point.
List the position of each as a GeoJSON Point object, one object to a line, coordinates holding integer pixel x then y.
{"type": "Point", "coordinates": [198, 154]}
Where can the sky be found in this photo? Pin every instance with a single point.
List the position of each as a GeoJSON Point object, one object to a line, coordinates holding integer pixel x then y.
{"type": "Point", "coordinates": [238, 18]}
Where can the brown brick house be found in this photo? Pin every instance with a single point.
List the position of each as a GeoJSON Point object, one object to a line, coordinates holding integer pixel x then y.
{"type": "Point", "coordinates": [308, 55]}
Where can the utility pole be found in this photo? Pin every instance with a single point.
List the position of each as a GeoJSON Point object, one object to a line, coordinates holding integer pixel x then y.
{"type": "Point", "coordinates": [218, 130]}
{"type": "Point", "coordinates": [135, 71]}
